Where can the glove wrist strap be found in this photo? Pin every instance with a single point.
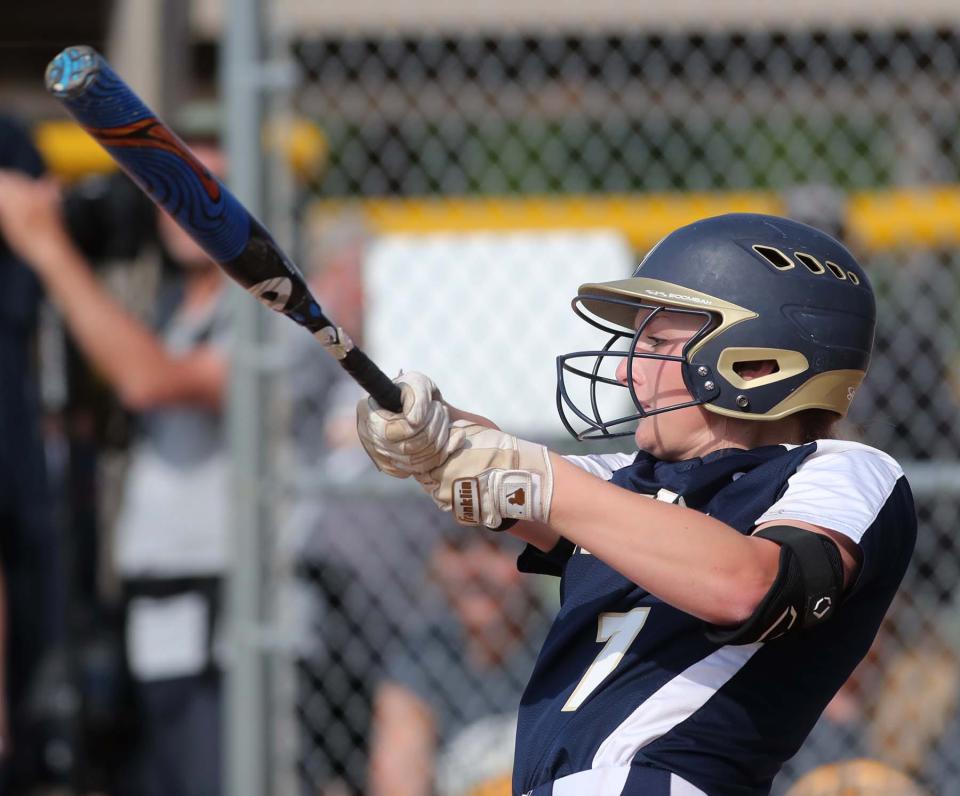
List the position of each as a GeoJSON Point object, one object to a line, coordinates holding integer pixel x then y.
{"type": "Point", "coordinates": [516, 495]}
{"type": "Point", "coordinates": [506, 495]}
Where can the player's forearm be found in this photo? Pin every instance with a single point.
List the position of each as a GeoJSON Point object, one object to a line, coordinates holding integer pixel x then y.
{"type": "Point", "coordinates": [541, 536]}
{"type": "Point", "coordinates": [691, 561]}
{"type": "Point", "coordinates": [118, 346]}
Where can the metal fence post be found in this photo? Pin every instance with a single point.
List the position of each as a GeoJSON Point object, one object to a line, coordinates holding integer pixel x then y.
{"type": "Point", "coordinates": [245, 725]}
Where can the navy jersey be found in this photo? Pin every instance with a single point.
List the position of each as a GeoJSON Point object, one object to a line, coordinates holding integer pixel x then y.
{"type": "Point", "coordinates": [625, 682]}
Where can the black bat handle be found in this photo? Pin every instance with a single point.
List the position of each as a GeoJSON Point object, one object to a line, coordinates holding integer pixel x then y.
{"type": "Point", "coordinates": [373, 380]}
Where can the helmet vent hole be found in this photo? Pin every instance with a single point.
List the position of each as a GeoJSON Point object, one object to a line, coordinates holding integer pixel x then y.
{"type": "Point", "coordinates": [775, 257]}
{"type": "Point", "coordinates": [837, 271]}
{"type": "Point", "coordinates": [812, 263]}
{"type": "Point", "coordinates": [754, 368]}
{"type": "Point", "coordinates": [853, 277]}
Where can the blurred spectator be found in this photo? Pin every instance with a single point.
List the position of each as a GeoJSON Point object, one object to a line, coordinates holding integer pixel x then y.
{"type": "Point", "coordinates": [915, 719]}
{"type": "Point", "coordinates": [171, 533]}
{"type": "Point", "coordinates": [941, 767]}
{"type": "Point", "coordinates": [28, 549]}
{"type": "Point", "coordinates": [859, 777]}
{"type": "Point", "coordinates": [360, 556]}
{"type": "Point", "coordinates": [446, 709]}
{"type": "Point", "coordinates": [901, 706]}
{"type": "Point", "coordinates": [361, 562]}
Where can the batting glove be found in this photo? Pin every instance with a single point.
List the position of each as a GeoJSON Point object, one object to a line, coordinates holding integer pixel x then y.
{"type": "Point", "coordinates": [412, 442]}
{"type": "Point", "coordinates": [492, 477]}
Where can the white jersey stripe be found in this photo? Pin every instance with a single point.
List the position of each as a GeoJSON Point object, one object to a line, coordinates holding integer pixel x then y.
{"type": "Point", "coordinates": [671, 704]}
{"type": "Point", "coordinates": [602, 465]}
{"type": "Point", "coordinates": [680, 787]}
{"type": "Point", "coordinates": [610, 782]}
{"type": "Point", "coordinates": [593, 782]}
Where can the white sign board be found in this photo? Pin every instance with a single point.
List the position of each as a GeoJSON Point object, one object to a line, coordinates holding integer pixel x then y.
{"type": "Point", "coordinates": [486, 314]}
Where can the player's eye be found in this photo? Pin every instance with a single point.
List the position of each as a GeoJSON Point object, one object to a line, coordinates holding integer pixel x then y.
{"type": "Point", "coordinates": [653, 342]}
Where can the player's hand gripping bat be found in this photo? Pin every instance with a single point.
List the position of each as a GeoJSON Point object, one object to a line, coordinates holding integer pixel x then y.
{"type": "Point", "coordinates": [170, 174]}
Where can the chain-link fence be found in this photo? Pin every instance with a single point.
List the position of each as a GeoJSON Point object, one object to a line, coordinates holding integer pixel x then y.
{"type": "Point", "coordinates": [456, 160]}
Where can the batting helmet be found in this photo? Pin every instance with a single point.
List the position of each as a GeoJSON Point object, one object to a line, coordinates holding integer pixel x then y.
{"type": "Point", "coordinates": [766, 288]}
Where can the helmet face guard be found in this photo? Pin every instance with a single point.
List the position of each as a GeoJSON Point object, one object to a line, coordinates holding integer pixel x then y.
{"type": "Point", "coordinates": [596, 426]}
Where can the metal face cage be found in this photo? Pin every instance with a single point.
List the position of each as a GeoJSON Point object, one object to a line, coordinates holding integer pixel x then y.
{"type": "Point", "coordinates": [596, 426]}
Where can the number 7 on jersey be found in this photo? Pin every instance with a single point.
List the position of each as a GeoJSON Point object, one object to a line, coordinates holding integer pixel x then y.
{"type": "Point", "coordinates": [619, 632]}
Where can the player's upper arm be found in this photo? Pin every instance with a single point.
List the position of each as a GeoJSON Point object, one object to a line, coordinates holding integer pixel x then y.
{"type": "Point", "coordinates": [807, 580]}
{"type": "Point", "coordinates": [849, 551]}
{"type": "Point", "coordinates": [189, 368]}
{"type": "Point", "coordinates": [839, 491]}
{"type": "Point", "coordinates": [837, 494]}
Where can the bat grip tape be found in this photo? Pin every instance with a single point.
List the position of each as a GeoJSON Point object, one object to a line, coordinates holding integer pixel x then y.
{"type": "Point", "coordinates": [373, 380]}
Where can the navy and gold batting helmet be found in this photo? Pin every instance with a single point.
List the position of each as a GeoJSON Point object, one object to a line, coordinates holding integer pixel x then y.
{"type": "Point", "coordinates": [766, 289]}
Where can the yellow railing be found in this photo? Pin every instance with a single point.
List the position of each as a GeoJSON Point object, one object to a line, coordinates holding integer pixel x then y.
{"type": "Point", "coordinates": [922, 216]}
{"type": "Point", "coordinates": [69, 152]}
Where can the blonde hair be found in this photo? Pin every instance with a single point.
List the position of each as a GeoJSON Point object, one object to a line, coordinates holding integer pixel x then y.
{"type": "Point", "coordinates": [814, 424]}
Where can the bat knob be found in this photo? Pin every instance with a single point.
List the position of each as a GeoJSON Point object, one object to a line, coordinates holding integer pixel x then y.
{"type": "Point", "coordinates": [70, 72]}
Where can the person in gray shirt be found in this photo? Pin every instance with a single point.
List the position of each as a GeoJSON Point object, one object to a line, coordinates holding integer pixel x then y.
{"type": "Point", "coordinates": [171, 535]}
{"type": "Point", "coordinates": [445, 710]}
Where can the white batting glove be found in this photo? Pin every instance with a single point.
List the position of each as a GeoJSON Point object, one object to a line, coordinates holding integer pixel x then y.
{"type": "Point", "coordinates": [493, 476]}
{"type": "Point", "coordinates": [414, 441]}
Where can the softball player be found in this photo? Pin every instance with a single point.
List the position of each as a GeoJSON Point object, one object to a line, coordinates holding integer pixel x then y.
{"type": "Point", "coordinates": [721, 583]}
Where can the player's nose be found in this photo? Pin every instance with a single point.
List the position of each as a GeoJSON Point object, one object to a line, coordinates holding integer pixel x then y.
{"type": "Point", "coordinates": [622, 371]}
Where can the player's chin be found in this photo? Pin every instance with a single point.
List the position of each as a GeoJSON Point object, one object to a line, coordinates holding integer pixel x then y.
{"type": "Point", "coordinates": [645, 434]}
{"type": "Point", "coordinates": [656, 435]}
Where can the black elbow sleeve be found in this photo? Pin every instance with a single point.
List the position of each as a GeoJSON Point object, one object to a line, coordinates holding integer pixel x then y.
{"type": "Point", "coordinates": [805, 592]}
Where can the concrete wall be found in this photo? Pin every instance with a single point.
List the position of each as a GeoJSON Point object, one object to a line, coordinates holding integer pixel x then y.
{"type": "Point", "coordinates": [313, 17]}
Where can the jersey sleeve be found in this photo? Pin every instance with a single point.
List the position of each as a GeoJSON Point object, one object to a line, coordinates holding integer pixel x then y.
{"type": "Point", "coordinates": [858, 491]}
{"type": "Point", "coordinates": [602, 465]}
{"type": "Point", "coordinates": [535, 561]}
{"type": "Point", "coordinates": [843, 486]}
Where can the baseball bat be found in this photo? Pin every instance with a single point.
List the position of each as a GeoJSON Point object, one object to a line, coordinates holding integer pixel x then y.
{"type": "Point", "coordinates": [171, 175]}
